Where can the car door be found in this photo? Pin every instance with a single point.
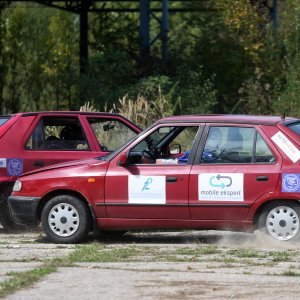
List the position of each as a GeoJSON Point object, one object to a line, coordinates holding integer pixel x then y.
{"type": "Point", "coordinates": [234, 167]}
{"type": "Point", "coordinates": [55, 138]}
{"type": "Point", "coordinates": [152, 187]}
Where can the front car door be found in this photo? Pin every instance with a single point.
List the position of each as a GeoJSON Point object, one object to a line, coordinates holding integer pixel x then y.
{"type": "Point", "coordinates": [154, 184]}
{"type": "Point", "coordinates": [234, 167]}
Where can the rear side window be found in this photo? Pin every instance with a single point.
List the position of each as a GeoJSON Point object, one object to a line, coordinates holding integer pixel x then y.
{"type": "Point", "coordinates": [56, 133]}
{"type": "Point", "coordinates": [110, 134]}
{"type": "Point", "coordinates": [295, 127]}
{"type": "Point", "coordinates": [236, 145]}
{"type": "Point", "coordinates": [3, 120]}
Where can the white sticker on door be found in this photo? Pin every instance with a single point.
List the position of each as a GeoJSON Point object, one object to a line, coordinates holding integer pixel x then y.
{"type": "Point", "coordinates": [221, 186]}
{"type": "Point", "coordinates": [146, 189]}
{"type": "Point", "coordinates": [286, 146]}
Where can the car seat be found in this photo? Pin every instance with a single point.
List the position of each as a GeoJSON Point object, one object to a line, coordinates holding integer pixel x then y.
{"type": "Point", "coordinates": [72, 135]}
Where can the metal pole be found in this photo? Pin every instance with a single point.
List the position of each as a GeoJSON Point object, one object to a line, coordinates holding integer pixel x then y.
{"type": "Point", "coordinates": [164, 31]}
{"type": "Point", "coordinates": [275, 13]}
{"type": "Point", "coordinates": [83, 37]}
{"type": "Point", "coordinates": [83, 52]}
{"type": "Point", "coordinates": [144, 29]}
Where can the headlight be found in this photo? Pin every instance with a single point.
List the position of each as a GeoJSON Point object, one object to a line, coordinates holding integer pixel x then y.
{"type": "Point", "coordinates": [17, 186]}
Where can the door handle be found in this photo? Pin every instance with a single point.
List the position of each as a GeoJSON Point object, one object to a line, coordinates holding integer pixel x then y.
{"type": "Point", "coordinates": [39, 163]}
{"type": "Point", "coordinates": [262, 178]}
{"type": "Point", "coordinates": [171, 179]}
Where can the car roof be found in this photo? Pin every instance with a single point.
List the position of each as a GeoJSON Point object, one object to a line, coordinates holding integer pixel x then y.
{"type": "Point", "coordinates": [70, 113]}
{"type": "Point", "coordinates": [229, 118]}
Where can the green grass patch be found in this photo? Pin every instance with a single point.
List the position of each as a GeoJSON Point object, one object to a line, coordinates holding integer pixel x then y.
{"type": "Point", "coordinates": [226, 260]}
{"type": "Point", "coordinates": [291, 273]}
{"type": "Point", "coordinates": [280, 256]}
{"type": "Point", "coordinates": [99, 253]}
{"type": "Point", "coordinates": [20, 280]}
{"type": "Point", "coordinates": [199, 251]}
{"type": "Point", "coordinates": [246, 253]}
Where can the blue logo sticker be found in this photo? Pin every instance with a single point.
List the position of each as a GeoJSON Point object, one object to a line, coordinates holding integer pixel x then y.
{"type": "Point", "coordinates": [147, 183]}
{"type": "Point", "coordinates": [290, 183]}
{"type": "Point", "coordinates": [14, 166]}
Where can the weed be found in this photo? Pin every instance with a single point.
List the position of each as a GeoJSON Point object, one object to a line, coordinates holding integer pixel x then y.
{"type": "Point", "coordinates": [99, 253]}
{"type": "Point", "coordinates": [23, 279]}
{"type": "Point", "coordinates": [201, 250]}
{"type": "Point", "coordinates": [290, 273]}
{"type": "Point", "coordinates": [246, 253]}
{"type": "Point", "coordinates": [278, 256]}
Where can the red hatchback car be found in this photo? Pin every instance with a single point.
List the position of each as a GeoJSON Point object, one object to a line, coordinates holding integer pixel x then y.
{"type": "Point", "coordinates": [32, 140]}
{"type": "Point", "coordinates": [231, 172]}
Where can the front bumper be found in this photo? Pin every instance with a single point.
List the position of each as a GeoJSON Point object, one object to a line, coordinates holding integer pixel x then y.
{"type": "Point", "coordinates": [24, 209]}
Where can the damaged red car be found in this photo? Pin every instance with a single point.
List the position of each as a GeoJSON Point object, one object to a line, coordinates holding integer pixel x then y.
{"type": "Point", "coordinates": [224, 172]}
{"type": "Point", "coordinates": [29, 141]}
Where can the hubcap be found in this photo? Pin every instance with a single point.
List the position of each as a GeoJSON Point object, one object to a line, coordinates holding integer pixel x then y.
{"type": "Point", "coordinates": [63, 219]}
{"type": "Point", "coordinates": [282, 223]}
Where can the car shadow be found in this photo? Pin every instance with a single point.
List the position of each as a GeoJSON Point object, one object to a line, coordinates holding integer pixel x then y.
{"type": "Point", "coordinates": [185, 237]}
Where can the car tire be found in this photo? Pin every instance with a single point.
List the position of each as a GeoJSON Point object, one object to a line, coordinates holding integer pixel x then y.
{"type": "Point", "coordinates": [7, 220]}
{"type": "Point", "coordinates": [66, 219]}
{"type": "Point", "coordinates": [281, 221]}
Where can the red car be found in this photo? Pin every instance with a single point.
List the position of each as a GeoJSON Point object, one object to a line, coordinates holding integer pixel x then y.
{"type": "Point", "coordinates": [33, 140]}
{"type": "Point", "coordinates": [227, 172]}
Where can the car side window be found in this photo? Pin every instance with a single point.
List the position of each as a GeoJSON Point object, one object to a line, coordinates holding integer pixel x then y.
{"type": "Point", "coordinates": [263, 154]}
{"type": "Point", "coordinates": [232, 144]}
{"type": "Point", "coordinates": [167, 145]}
{"type": "Point", "coordinates": [55, 133]}
{"type": "Point", "coordinates": [110, 133]}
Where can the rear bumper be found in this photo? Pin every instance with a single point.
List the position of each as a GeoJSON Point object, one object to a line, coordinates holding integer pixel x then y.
{"type": "Point", "coordinates": [24, 209]}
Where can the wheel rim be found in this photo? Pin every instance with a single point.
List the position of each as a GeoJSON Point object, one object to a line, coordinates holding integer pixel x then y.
{"type": "Point", "coordinates": [282, 223]}
{"type": "Point", "coordinates": [63, 219]}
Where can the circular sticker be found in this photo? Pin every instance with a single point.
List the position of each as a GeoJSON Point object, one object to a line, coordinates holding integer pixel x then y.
{"type": "Point", "coordinates": [291, 182]}
{"type": "Point", "coordinates": [14, 167]}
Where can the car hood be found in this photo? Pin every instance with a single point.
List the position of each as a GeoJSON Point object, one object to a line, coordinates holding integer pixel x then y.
{"type": "Point", "coordinates": [73, 163]}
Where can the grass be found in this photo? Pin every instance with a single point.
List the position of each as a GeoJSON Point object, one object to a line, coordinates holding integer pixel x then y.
{"type": "Point", "coordinates": [246, 253]}
{"type": "Point", "coordinates": [23, 279]}
{"type": "Point", "coordinates": [99, 253]}
{"type": "Point", "coordinates": [291, 273]}
{"type": "Point", "coordinates": [199, 251]}
{"type": "Point", "coordinates": [280, 256]}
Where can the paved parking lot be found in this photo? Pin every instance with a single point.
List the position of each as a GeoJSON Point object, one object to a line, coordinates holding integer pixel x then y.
{"type": "Point", "coordinates": [164, 265]}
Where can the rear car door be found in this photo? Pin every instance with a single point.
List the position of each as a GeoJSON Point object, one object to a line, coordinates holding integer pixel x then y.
{"type": "Point", "coordinates": [55, 138]}
{"type": "Point", "coordinates": [235, 166]}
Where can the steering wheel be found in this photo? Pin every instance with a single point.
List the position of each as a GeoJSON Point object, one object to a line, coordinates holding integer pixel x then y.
{"type": "Point", "coordinates": [147, 154]}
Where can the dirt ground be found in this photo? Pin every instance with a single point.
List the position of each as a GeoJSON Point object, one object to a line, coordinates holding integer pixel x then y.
{"type": "Point", "coordinates": [240, 267]}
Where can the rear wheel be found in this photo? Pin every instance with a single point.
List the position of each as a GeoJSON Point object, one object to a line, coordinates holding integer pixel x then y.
{"type": "Point", "coordinates": [281, 220]}
{"type": "Point", "coordinates": [66, 219]}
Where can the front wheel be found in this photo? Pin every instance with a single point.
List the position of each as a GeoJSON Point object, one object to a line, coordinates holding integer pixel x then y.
{"type": "Point", "coordinates": [281, 221]}
{"type": "Point", "coordinates": [66, 219]}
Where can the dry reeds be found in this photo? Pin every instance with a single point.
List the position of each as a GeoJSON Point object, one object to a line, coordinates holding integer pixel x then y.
{"type": "Point", "coordinates": [140, 110]}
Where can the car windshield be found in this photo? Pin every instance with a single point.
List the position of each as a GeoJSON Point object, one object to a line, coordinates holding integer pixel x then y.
{"type": "Point", "coordinates": [4, 120]}
{"type": "Point", "coordinates": [295, 127]}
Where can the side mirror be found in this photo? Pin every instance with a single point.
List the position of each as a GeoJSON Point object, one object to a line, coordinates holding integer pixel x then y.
{"type": "Point", "coordinates": [175, 149]}
{"type": "Point", "coordinates": [123, 159]}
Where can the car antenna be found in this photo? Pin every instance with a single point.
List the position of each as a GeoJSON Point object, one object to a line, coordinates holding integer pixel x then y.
{"type": "Point", "coordinates": [284, 114]}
